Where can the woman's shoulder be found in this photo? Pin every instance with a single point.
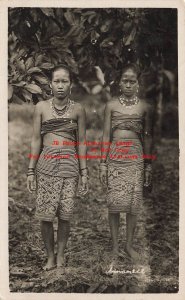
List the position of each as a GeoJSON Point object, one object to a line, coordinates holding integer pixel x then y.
{"type": "Point", "coordinates": [146, 104]}
{"type": "Point", "coordinates": [43, 103]}
{"type": "Point", "coordinates": [42, 106]}
{"type": "Point", "coordinates": [112, 102]}
{"type": "Point", "coordinates": [77, 106]}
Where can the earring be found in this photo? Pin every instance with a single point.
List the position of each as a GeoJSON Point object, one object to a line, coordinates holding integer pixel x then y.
{"type": "Point", "coordinates": [51, 92]}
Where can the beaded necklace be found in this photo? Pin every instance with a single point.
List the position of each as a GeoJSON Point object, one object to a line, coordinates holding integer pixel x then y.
{"type": "Point", "coordinates": [128, 103]}
{"type": "Point", "coordinates": [58, 113]}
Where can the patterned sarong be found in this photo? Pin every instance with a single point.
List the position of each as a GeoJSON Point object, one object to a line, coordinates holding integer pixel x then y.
{"type": "Point", "coordinates": [125, 176]}
{"type": "Point", "coordinates": [57, 181]}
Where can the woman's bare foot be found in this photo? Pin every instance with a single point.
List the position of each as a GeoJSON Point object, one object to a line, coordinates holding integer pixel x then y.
{"type": "Point", "coordinates": [51, 263]}
{"type": "Point", "coordinates": [114, 257]}
{"type": "Point", "coordinates": [60, 261]}
{"type": "Point", "coordinates": [132, 253]}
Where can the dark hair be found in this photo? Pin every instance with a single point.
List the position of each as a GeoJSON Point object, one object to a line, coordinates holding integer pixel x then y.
{"type": "Point", "coordinates": [133, 67]}
{"type": "Point", "coordinates": [62, 66]}
{"type": "Point", "coordinates": [115, 86]}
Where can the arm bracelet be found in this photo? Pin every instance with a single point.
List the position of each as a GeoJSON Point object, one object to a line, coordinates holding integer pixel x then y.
{"type": "Point", "coordinates": [148, 167]}
{"type": "Point", "coordinates": [84, 172]}
{"type": "Point", "coordinates": [103, 166]}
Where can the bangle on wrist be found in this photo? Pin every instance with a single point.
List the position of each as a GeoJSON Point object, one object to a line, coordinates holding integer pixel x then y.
{"type": "Point", "coordinates": [148, 167]}
{"type": "Point", "coordinates": [103, 164]}
{"type": "Point", "coordinates": [85, 175]}
{"type": "Point", "coordinates": [103, 167]}
{"type": "Point", "coordinates": [31, 171]}
{"type": "Point", "coordinates": [30, 174]}
{"type": "Point", "coordinates": [84, 171]}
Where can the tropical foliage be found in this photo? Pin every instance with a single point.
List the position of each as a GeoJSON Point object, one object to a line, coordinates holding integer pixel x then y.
{"type": "Point", "coordinates": [40, 38]}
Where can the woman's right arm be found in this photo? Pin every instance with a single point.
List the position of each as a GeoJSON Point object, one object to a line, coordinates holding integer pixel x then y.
{"type": "Point", "coordinates": [35, 146]}
{"type": "Point", "coordinates": [105, 145]}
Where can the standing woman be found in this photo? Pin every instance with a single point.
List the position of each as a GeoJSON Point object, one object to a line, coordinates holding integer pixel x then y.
{"type": "Point", "coordinates": [58, 132]}
{"type": "Point", "coordinates": [128, 128]}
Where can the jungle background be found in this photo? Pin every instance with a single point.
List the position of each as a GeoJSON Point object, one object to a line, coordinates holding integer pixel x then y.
{"type": "Point", "coordinates": [95, 43]}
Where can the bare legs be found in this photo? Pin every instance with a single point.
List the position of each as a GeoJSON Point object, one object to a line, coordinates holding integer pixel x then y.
{"type": "Point", "coordinates": [114, 221]}
{"type": "Point", "coordinates": [114, 228]}
{"type": "Point", "coordinates": [62, 238]}
{"type": "Point", "coordinates": [131, 221]}
{"type": "Point", "coordinates": [48, 238]}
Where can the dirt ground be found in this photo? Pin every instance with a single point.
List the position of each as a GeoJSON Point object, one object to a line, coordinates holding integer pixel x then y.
{"type": "Point", "coordinates": [89, 246]}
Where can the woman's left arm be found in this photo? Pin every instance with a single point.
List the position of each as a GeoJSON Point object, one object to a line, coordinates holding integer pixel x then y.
{"type": "Point", "coordinates": [82, 148]}
{"type": "Point", "coordinates": [148, 144]}
{"type": "Point", "coordinates": [148, 131]}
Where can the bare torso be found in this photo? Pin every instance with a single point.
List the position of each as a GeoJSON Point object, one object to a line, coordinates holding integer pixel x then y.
{"type": "Point", "coordinates": [49, 138]}
{"type": "Point", "coordinates": [118, 109]}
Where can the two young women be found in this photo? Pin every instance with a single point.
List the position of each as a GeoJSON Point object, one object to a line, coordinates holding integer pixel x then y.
{"type": "Point", "coordinates": [54, 169]}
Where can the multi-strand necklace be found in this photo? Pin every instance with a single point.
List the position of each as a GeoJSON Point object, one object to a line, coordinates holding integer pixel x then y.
{"type": "Point", "coordinates": [58, 113]}
{"type": "Point", "coordinates": [128, 102]}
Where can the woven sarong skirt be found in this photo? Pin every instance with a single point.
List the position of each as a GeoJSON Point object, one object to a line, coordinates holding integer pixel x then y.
{"type": "Point", "coordinates": [57, 182]}
{"type": "Point", "coordinates": [125, 176]}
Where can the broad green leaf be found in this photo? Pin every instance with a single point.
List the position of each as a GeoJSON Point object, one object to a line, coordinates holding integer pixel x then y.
{"type": "Point", "coordinates": [89, 13]}
{"type": "Point", "coordinates": [70, 17]}
{"type": "Point", "coordinates": [108, 42]}
{"type": "Point", "coordinates": [20, 84]}
{"type": "Point", "coordinates": [91, 17]}
{"type": "Point", "coordinates": [171, 78]}
{"type": "Point", "coordinates": [33, 88]}
{"type": "Point", "coordinates": [34, 70]}
{"type": "Point", "coordinates": [27, 95]}
{"type": "Point", "coordinates": [38, 59]}
{"type": "Point", "coordinates": [48, 12]}
{"type": "Point", "coordinates": [131, 37]}
{"type": "Point", "coordinates": [21, 53]}
{"type": "Point", "coordinates": [100, 75]}
{"type": "Point", "coordinates": [47, 66]}
{"type": "Point", "coordinates": [20, 65]}
{"type": "Point", "coordinates": [10, 91]}
{"type": "Point", "coordinates": [41, 79]}
{"type": "Point", "coordinates": [96, 89]}
{"type": "Point", "coordinates": [29, 63]}
{"type": "Point", "coordinates": [106, 25]}
{"type": "Point", "coordinates": [13, 57]}
{"type": "Point", "coordinates": [16, 99]}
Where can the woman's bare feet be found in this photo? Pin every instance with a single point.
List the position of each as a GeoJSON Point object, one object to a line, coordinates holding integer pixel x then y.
{"type": "Point", "coordinates": [60, 261]}
{"type": "Point", "coordinates": [51, 263]}
{"type": "Point", "coordinates": [114, 257]}
{"type": "Point", "coordinates": [132, 253]}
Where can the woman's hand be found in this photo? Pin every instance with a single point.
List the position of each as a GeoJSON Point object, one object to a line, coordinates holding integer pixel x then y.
{"type": "Point", "coordinates": [103, 177]}
{"type": "Point", "coordinates": [31, 183]}
{"type": "Point", "coordinates": [85, 187]}
{"type": "Point", "coordinates": [148, 178]}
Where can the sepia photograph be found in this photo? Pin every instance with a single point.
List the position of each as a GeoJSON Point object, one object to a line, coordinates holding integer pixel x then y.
{"type": "Point", "coordinates": [93, 149]}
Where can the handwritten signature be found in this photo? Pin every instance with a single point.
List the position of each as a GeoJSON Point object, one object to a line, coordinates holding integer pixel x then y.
{"type": "Point", "coordinates": [124, 271]}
